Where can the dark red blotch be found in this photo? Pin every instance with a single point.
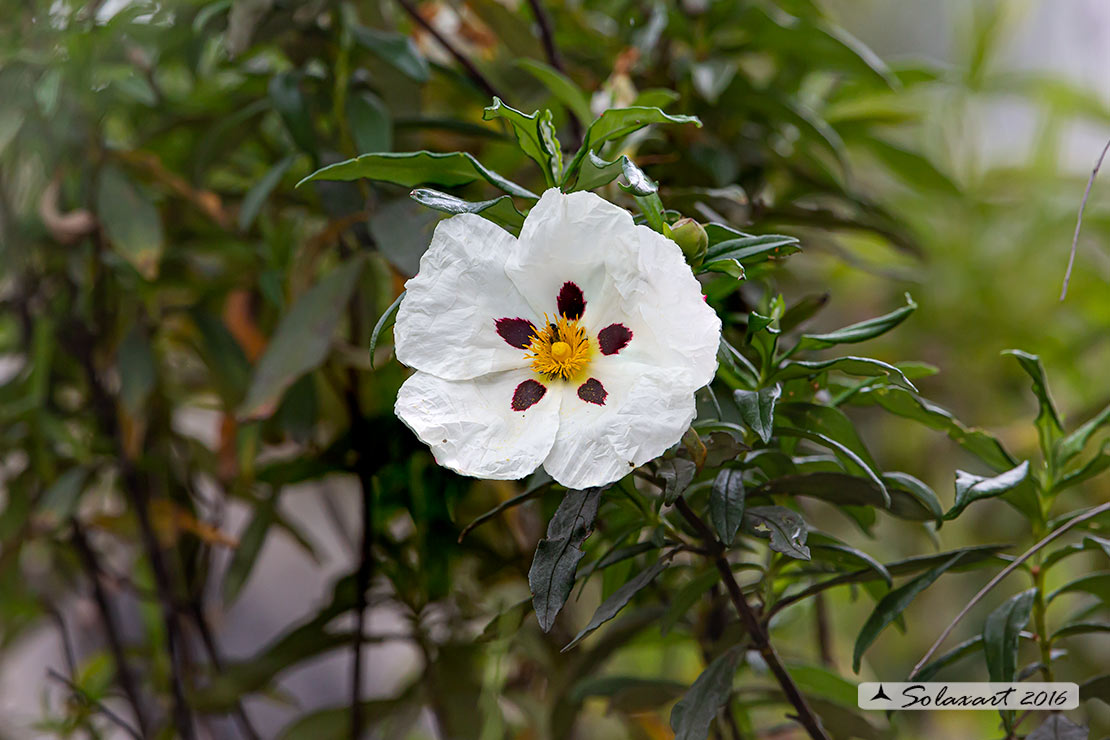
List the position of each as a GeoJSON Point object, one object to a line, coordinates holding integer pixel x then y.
{"type": "Point", "coordinates": [613, 338]}
{"type": "Point", "coordinates": [572, 303]}
{"type": "Point", "coordinates": [592, 391]}
{"type": "Point", "coordinates": [527, 394]}
{"type": "Point", "coordinates": [517, 332]}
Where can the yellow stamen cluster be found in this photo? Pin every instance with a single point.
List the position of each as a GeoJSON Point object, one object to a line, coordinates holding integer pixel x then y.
{"type": "Point", "coordinates": [560, 350]}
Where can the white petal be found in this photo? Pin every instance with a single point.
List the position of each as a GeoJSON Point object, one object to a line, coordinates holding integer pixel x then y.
{"type": "Point", "coordinates": [660, 300]}
{"type": "Point", "coordinates": [471, 425]}
{"type": "Point", "coordinates": [646, 411]}
{"type": "Point", "coordinates": [445, 324]}
{"type": "Point", "coordinates": [567, 237]}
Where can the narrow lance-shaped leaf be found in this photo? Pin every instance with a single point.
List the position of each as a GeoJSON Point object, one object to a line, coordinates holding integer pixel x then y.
{"type": "Point", "coordinates": [137, 371]}
{"type": "Point", "coordinates": [1001, 632]}
{"type": "Point", "coordinates": [853, 460]}
{"type": "Point", "coordinates": [676, 473]}
{"type": "Point", "coordinates": [395, 49]}
{"type": "Point", "coordinates": [383, 321]}
{"type": "Point", "coordinates": [971, 487]}
{"type": "Point", "coordinates": [551, 576]}
{"type": "Point", "coordinates": [131, 221]}
{"type": "Point", "coordinates": [302, 339]}
{"type": "Point", "coordinates": [857, 366]}
{"type": "Point", "coordinates": [619, 598]}
{"type": "Point", "coordinates": [561, 86]}
{"type": "Point", "coordinates": [860, 332]}
{"type": "Point", "coordinates": [757, 409]}
{"type": "Point", "coordinates": [726, 504]}
{"type": "Point", "coordinates": [784, 527]}
{"type": "Point", "coordinates": [526, 128]}
{"type": "Point", "coordinates": [1049, 428]}
{"type": "Point", "coordinates": [596, 172]}
{"type": "Point", "coordinates": [286, 97]}
{"type": "Point", "coordinates": [891, 606]}
{"type": "Point", "coordinates": [260, 191]}
{"type": "Point", "coordinates": [1073, 444]}
{"type": "Point", "coordinates": [695, 712]}
{"type": "Point", "coordinates": [615, 123]}
{"type": "Point", "coordinates": [500, 210]}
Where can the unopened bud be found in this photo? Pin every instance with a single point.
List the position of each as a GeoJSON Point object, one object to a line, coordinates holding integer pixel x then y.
{"type": "Point", "coordinates": [691, 238]}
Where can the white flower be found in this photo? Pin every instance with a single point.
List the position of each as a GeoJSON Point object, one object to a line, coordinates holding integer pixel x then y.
{"type": "Point", "coordinates": [577, 346]}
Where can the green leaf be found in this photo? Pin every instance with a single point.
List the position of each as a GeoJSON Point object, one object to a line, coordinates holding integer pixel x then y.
{"type": "Point", "coordinates": [757, 409]}
{"type": "Point", "coordinates": [137, 371]}
{"type": "Point", "coordinates": [616, 123]}
{"type": "Point", "coordinates": [1058, 727]}
{"type": "Point", "coordinates": [1093, 467]}
{"type": "Point", "coordinates": [1088, 543]}
{"type": "Point", "coordinates": [676, 473]}
{"type": "Point", "coordinates": [824, 548]}
{"type": "Point", "coordinates": [1095, 584]}
{"type": "Point", "coordinates": [1096, 688]}
{"type": "Point", "coordinates": [964, 649]}
{"type": "Point", "coordinates": [1080, 628]}
{"type": "Point", "coordinates": [860, 332]}
{"type": "Point", "coordinates": [551, 576]}
{"type": "Point", "coordinates": [784, 527]}
{"type": "Point", "coordinates": [911, 406]}
{"type": "Point", "coordinates": [260, 191]}
{"type": "Point", "coordinates": [370, 122]}
{"type": "Point", "coordinates": [748, 249]}
{"type": "Point", "coordinates": [395, 49]}
{"type": "Point", "coordinates": [417, 168]}
{"type": "Point", "coordinates": [726, 504]}
{"type": "Point", "coordinates": [561, 86]}
{"type": "Point", "coordinates": [302, 339]}
{"type": "Point", "coordinates": [1049, 428]}
{"type": "Point", "coordinates": [1073, 444]}
{"type": "Point", "coordinates": [1001, 632]}
{"type": "Point", "coordinates": [527, 130]}
{"type": "Point", "coordinates": [855, 366]}
{"type": "Point", "coordinates": [891, 606]}
{"type": "Point", "coordinates": [917, 171]}
{"type": "Point", "coordinates": [652, 208]}
{"type": "Point", "coordinates": [908, 500]}
{"type": "Point", "coordinates": [596, 172]}
{"type": "Point", "coordinates": [970, 488]}
{"type": "Point", "coordinates": [500, 210]}
{"type": "Point", "coordinates": [852, 459]}
{"type": "Point", "coordinates": [59, 501]}
{"type": "Point", "coordinates": [286, 97]}
{"type": "Point", "coordinates": [686, 597]}
{"type": "Point", "coordinates": [696, 710]}
{"type": "Point", "coordinates": [131, 221]}
{"type": "Point", "coordinates": [250, 545]}
{"type": "Point", "coordinates": [619, 598]}
{"type": "Point", "coordinates": [382, 323]}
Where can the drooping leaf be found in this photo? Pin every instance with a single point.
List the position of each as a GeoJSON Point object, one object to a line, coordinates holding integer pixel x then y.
{"type": "Point", "coordinates": [824, 548]}
{"type": "Point", "coordinates": [500, 210]}
{"type": "Point", "coordinates": [616, 123]}
{"type": "Point", "coordinates": [1001, 632]}
{"type": "Point", "coordinates": [857, 366]}
{"type": "Point", "coordinates": [395, 49]}
{"type": "Point", "coordinates": [852, 459]}
{"type": "Point", "coordinates": [726, 504]}
{"type": "Point", "coordinates": [302, 339]}
{"type": "Point", "coordinates": [1081, 628]}
{"type": "Point", "coordinates": [891, 606]}
{"type": "Point", "coordinates": [619, 599]}
{"type": "Point", "coordinates": [860, 332]}
{"type": "Point", "coordinates": [596, 172]}
{"type": "Point", "coordinates": [686, 597]}
{"type": "Point", "coordinates": [757, 409]}
{"type": "Point", "coordinates": [551, 576]}
{"type": "Point", "coordinates": [131, 221]}
{"type": "Point", "coordinates": [260, 191]}
{"type": "Point", "coordinates": [410, 169]}
{"type": "Point", "coordinates": [1058, 727]}
{"type": "Point", "coordinates": [676, 473]}
{"type": "Point", "coordinates": [964, 649]}
{"type": "Point", "coordinates": [1088, 543]}
{"type": "Point", "coordinates": [970, 488]}
{"type": "Point", "coordinates": [696, 710]}
{"type": "Point", "coordinates": [748, 249]}
{"type": "Point", "coordinates": [784, 527]}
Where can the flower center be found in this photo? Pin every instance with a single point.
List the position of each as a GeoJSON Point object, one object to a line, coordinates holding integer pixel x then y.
{"type": "Point", "coordinates": [560, 350]}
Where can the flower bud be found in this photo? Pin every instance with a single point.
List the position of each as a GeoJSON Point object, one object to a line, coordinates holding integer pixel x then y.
{"type": "Point", "coordinates": [691, 238]}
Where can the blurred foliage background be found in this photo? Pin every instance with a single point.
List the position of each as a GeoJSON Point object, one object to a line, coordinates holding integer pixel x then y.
{"type": "Point", "coordinates": [189, 421]}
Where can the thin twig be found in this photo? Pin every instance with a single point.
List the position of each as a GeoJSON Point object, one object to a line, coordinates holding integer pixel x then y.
{"type": "Point", "coordinates": [471, 71]}
{"type": "Point", "coordinates": [213, 650]}
{"type": "Point", "coordinates": [124, 676]}
{"type": "Point", "coordinates": [760, 639]}
{"type": "Point", "coordinates": [1002, 574]}
{"type": "Point", "coordinates": [100, 707]}
{"type": "Point", "coordinates": [1079, 220]}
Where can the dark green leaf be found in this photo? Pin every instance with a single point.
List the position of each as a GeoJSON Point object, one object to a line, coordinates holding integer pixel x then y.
{"type": "Point", "coordinates": [1073, 444]}
{"type": "Point", "coordinates": [551, 576]}
{"type": "Point", "coordinates": [1096, 584]}
{"type": "Point", "coordinates": [1089, 542]}
{"type": "Point", "coordinates": [909, 498]}
{"type": "Point", "coordinates": [970, 488]}
{"type": "Point", "coordinates": [852, 459]}
{"type": "Point", "coordinates": [1058, 727]}
{"type": "Point", "coordinates": [370, 123]}
{"type": "Point", "coordinates": [302, 339]}
{"type": "Point", "coordinates": [1091, 468]}
{"type": "Point", "coordinates": [616, 123]}
{"type": "Point", "coordinates": [676, 473]}
{"type": "Point", "coordinates": [686, 597]}
{"type": "Point", "coordinates": [692, 715]}
{"type": "Point", "coordinates": [964, 649]}
{"type": "Point", "coordinates": [250, 545]}
{"type": "Point", "coordinates": [561, 86]}
{"type": "Point", "coordinates": [500, 210]}
{"type": "Point", "coordinates": [750, 250]}
{"type": "Point", "coordinates": [826, 549]}
{"type": "Point", "coordinates": [918, 171]}
{"type": "Point", "coordinates": [526, 128]}
{"type": "Point", "coordinates": [59, 501]}
{"type": "Point", "coordinates": [784, 527]}
{"type": "Point", "coordinates": [381, 324]}
{"type": "Point", "coordinates": [893, 604]}
{"type": "Point", "coordinates": [286, 97]}
{"type": "Point", "coordinates": [395, 49]}
{"type": "Point", "coordinates": [1080, 628]}
{"type": "Point", "coordinates": [131, 221]}
{"type": "Point", "coordinates": [757, 409]}
{"type": "Point", "coordinates": [652, 208]}
{"type": "Point", "coordinates": [857, 366]}
{"type": "Point", "coordinates": [596, 172]}
{"type": "Point", "coordinates": [726, 504]}
{"type": "Point", "coordinates": [619, 598]}
{"type": "Point", "coordinates": [1048, 423]}
{"type": "Point", "coordinates": [137, 371]}
{"type": "Point", "coordinates": [860, 332]}
{"type": "Point", "coordinates": [1001, 632]}
{"type": "Point", "coordinates": [417, 168]}
{"type": "Point", "coordinates": [260, 191]}
{"type": "Point", "coordinates": [1096, 688]}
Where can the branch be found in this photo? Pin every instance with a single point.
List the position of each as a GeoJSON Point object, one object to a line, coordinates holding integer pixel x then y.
{"type": "Point", "coordinates": [100, 707]}
{"type": "Point", "coordinates": [760, 639]}
{"type": "Point", "coordinates": [1090, 514]}
{"type": "Point", "coordinates": [111, 630]}
{"type": "Point", "coordinates": [1079, 220]}
{"type": "Point", "coordinates": [471, 71]}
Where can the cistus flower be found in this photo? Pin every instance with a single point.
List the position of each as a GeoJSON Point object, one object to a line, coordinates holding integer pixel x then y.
{"type": "Point", "coordinates": [577, 346]}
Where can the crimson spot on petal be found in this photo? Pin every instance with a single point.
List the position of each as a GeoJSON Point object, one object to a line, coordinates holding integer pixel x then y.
{"type": "Point", "coordinates": [613, 338]}
{"type": "Point", "coordinates": [527, 394]}
{"type": "Point", "coordinates": [571, 302]}
{"type": "Point", "coordinates": [517, 332]}
{"type": "Point", "coordinates": [592, 391]}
